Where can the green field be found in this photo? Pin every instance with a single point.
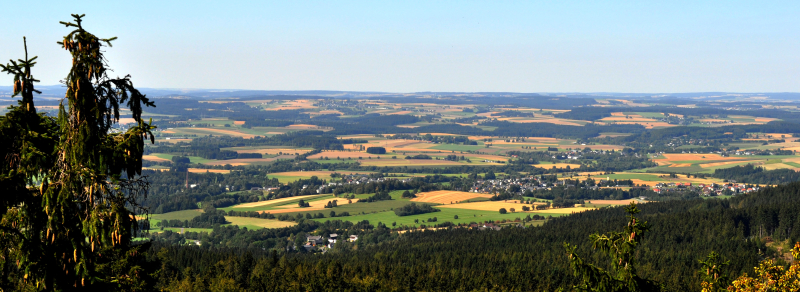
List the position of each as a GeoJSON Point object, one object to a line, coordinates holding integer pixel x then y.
{"type": "Point", "coordinates": [795, 164]}
{"type": "Point", "coordinates": [250, 223]}
{"type": "Point", "coordinates": [192, 159]}
{"type": "Point", "coordinates": [447, 214]}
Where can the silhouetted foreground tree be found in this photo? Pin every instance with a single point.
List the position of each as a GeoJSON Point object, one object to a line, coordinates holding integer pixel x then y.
{"type": "Point", "coordinates": [69, 186]}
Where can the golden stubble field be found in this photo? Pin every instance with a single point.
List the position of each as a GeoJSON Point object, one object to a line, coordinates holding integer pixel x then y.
{"type": "Point", "coordinates": [446, 197]}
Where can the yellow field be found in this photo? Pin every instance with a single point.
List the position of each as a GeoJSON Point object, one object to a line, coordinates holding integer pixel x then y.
{"type": "Point", "coordinates": [274, 202]}
{"type": "Point", "coordinates": [565, 210]}
{"type": "Point", "coordinates": [706, 165]}
{"type": "Point", "coordinates": [219, 132]}
{"type": "Point", "coordinates": [342, 154]}
{"type": "Point", "coordinates": [689, 156]}
{"type": "Point", "coordinates": [612, 202]}
{"type": "Point", "coordinates": [202, 170]}
{"type": "Point", "coordinates": [315, 206]}
{"type": "Point", "coordinates": [557, 165]}
{"type": "Point", "coordinates": [239, 161]}
{"type": "Point", "coordinates": [773, 166]}
{"type": "Point", "coordinates": [153, 158]}
{"type": "Point", "coordinates": [647, 125]}
{"type": "Point", "coordinates": [273, 151]}
{"type": "Point", "coordinates": [302, 126]}
{"type": "Point", "coordinates": [404, 162]}
{"type": "Point", "coordinates": [446, 197]}
{"type": "Point", "coordinates": [681, 165]}
{"type": "Point", "coordinates": [265, 223]}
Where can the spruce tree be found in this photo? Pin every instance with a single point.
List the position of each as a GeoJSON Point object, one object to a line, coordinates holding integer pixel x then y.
{"type": "Point", "coordinates": [621, 248]}
{"type": "Point", "coordinates": [70, 185]}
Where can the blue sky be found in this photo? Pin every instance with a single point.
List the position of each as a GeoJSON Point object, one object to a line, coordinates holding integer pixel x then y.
{"type": "Point", "coordinates": [404, 46]}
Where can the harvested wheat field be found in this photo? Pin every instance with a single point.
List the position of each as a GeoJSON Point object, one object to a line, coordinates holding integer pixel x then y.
{"type": "Point", "coordinates": [490, 206]}
{"type": "Point", "coordinates": [203, 170]}
{"type": "Point", "coordinates": [553, 121]}
{"type": "Point", "coordinates": [557, 165]}
{"type": "Point", "coordinates": [296, 208]}
{"type": "Point", "coordinates": [404, 162]}
{"type": "Point", "coordinates": [276, 201]}
{"type": "Point", "coordinates": [219, 132]}
{"type": "Point", "coordinates": [240, 161]}
{"type": "Point", "coordinates": [314, 205]}
{"type": "Point", "coordinates": [445, 197]}
{"type": "Point", "coordinates": [690, 156]}
{"type": "Point", "coordinates": [681, 165]}
{"type": "Point", "coordinates": [302, 126]}
{"type": "Point", "coordinates": [647, 125]}
{"type": "Point", "coordinates": [342, 154]}
{"type": "Point", "coordinates": [773, 166]}
{"type": "Point", "coordinates": [154, 158]}
{"type": "Point", "coordinates": [258, 222]}
{"type": "Point", "coordinates": [565, 210]}
{"type": "Point", "coordinates": [612, 202]}
{"type": "Point", "coordinates": [707, 165]}
{"type": "Point", "coordinates": [273, 151]}
{"type": "Point", "coordinates": [238, 122]}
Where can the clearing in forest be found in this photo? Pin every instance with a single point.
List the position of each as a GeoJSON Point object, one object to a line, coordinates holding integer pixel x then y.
{"type": "Point", "coordinates": [258, 222]}
{"type": "Point", "coordinates": [445, 197]}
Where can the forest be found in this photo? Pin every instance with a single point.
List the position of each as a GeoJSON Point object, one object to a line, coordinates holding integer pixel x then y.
{"type": "Point", "coordinates": [511, 259]}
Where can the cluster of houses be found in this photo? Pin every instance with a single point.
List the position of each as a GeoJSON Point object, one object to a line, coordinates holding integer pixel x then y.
{"type": "Point", "coordinates": [710, 189]}
{"type": "Point", "coordinates": [532, 183]}
{"type": "Point", "coordinates": [320, 243]}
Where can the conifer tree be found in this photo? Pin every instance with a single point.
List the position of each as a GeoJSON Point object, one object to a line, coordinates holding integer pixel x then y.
{"type": "Point", "coordinates": [70, 187]}
{"type": "Point", "coordinates": [621, 247]}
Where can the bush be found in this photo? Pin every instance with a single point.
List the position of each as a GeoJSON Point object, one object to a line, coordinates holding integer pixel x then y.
{"type": "Point", "coordinates": [407, 194]}
{"type": "Point", "coordinates": [503, 211]}
{"type": "Point", "coordinates": [376, 150]}
{"type": "Point", "coordinates": [413, 209]}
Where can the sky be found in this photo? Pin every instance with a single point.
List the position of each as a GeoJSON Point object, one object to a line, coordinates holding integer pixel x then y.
{"type": "Point", "coordinates": [412, 46]}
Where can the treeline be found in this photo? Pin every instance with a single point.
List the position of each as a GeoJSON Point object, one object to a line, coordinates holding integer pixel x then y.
{"type": "Point", "coordinates": [514, 114]}
{"type": "Point", "coordinates": [414, 209]}
{"type": "Point", "coordinates": [757, 175]}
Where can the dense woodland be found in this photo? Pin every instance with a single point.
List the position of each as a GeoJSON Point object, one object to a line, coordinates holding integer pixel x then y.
{"type": "Point", "coordinates": [741, 229]}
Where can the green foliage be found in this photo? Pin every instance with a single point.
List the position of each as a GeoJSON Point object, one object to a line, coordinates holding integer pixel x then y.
{"type": "Point", "coordinates": [376, 150]}
{"type": "Point", "coordinates": [711, 271]}
{"type": "Point", "coordinates": [413, 209]}
{"type": "Point", "coordinates": [71, 187]}
{"type": "Point", "coordinates": [621, 248]}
